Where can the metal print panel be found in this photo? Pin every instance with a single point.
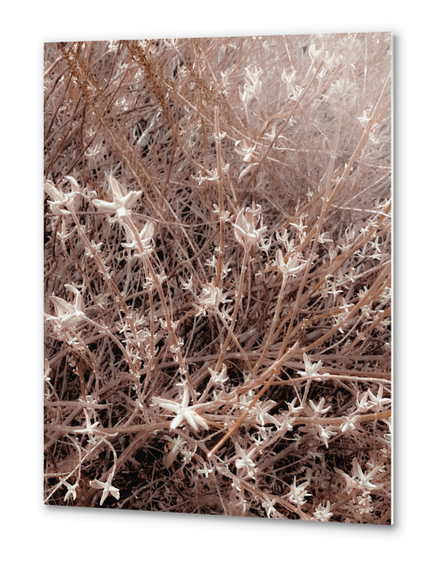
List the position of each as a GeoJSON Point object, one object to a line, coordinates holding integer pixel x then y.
{"type": "Point", "coordinates": [217, 218]}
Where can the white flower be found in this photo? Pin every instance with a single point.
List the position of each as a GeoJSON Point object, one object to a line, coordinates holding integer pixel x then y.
{"type": "Point", "coordinates": [182, 410]}
{"type": "Point", "coordinates": [63, 235]}
{"type": "Point", "coordinates": [261, 412]}
{"type": "Point", "coordinates": [205, 471]}
{"type": "Point", "coordinates": [268, 505]}
{"type": "Point", "coordinates": [286, 424]}
{"type": "Point", "coordinates": [364, 119]}
{"type": "Point", "coordinates": [310, 368]}
{"type": "Point", "coordinates": [245, 96]}
{"type": "Point", "coordinates": [289, 82]}
{"type": "Point", "coordinates": [89, 428]}
{"type": "Point", "coordinates": [107, 487]}
{"type": "Point", "coordinates": [292, 408]}
{"type": "Point", "coordinates": [213, 262]}
{"type": "Point", "coordinates": [223, 215]}
{"type": "Point", "coordinates": [333, 291]}
{"type": "Point", "coordinates": [364, 479]}
{"type": "Point", "coordinates": [359, 479]}
{"type": "Point", "coordinates": [146, 237]}
{"type": "Point", "coordinates": [47, 370]}
{"type": "Point", "coordinates": [323, 513]}
{"type": "Point", "coordinates": [188, 455]}
{"type": "Point", "coordinates": [176, 446]}
{"type": "Point", "coordinates": [60, 199]}
{"type": "Point", "coordinates": [67, 315]}
{"type": "Point", "coordinates": [349, 423]}
{"type": "Point", "coordinates": [313, 52]}
{"type": "Point", "coordinates": [93, 152]}
{"type": "Point", "coordinates": [212, 175]}
{"type": "Point", "coordinates": [71, 490]}
{"type": "Point", "coordinates": [324, 434]}
{"type": "Point", "coordinates": [245, 461]}
{"type": "Point", "coordinates": [200, 179]}
{"type": "Point", "coordinates": [298, 493]}
{"type": "Point", "coordinates": [319, 409]}
{"type": "Point", "coordinates": [350, 482]}
{"type": "Point", "coordinates": [211, 297]}
{"type": "Point", "coordinates": [252, 82]}
{"type": "Point", "coordinates": [245, 150]}
{"type": "Point", "coordinates": [364, 504]}
{"type": "Point", "coordinates": [188, 285]}
{"type": "Point", "coordinates": [299, 227]}
{"type": "Point", "coordinates": [245, 400]}
{"type": "Point", "coordinates": [271, 136]}
{"type": "Point", "coordinates": [289, 268]}
{"type": "Point", "coordinates": [247, 170]}
{"type": "Point", "coordinates": [219, 378]}
{"type": "Point", "coordinates": [236, 484]}
{"type": "Point", "coordinates": [122, 202]}
{"type": "Point", "coordinates": [362, 405]}
{"type": "Point", "coordinates": [379, 401]}
{"type": "Point", "coordinates": [247, 230]}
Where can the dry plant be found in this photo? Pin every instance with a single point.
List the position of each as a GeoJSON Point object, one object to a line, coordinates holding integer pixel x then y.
{"type": "Point", "coordinates": [218, 276]}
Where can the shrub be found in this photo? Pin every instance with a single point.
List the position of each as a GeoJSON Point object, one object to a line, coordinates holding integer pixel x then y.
{"type": "Point", "coordinates": [218, 276]}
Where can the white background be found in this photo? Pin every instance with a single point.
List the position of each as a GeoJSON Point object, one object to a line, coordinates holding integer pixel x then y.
{"type": "Point", "coordinates": [30, 530]}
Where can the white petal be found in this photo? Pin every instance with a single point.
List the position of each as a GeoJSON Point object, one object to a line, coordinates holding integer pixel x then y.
{"type": "Point", "coordinates": [116, 188]}
{"type": "Point", "coordinates": [62, 307]}
{"type": "Point", "coordinates": [199, 420]}
{"type": "Point", "coordinates": [177, 421]}
{"type": "Point", "coordinates": [247, 169]}
{"type": "Point", "coordinates": [167, 404]}
{"type": "Point", "coordinates": [105, 206]}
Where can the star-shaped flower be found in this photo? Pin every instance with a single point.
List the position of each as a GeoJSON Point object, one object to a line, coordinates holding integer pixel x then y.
{"type": "Point", "coordinates": [89, 427]}
{"type": "Point", "coordinates": [310, 368]}
{"type": "Point", "coordinates": [211, 298]}
{"type": "Point", "coordinates": [323, 513]}
{"type": "Point", "coordinates": [268, 504]}
{"type": "Point", "coordinates": [182, 410]}
{"type": "Point", "coordinates": [349, 423]}
{"type": "Point", "coordinates": [60, 199]}
{"type": "Point", "coordinates": [364, 479]}
{"type": "Point", "coordinates": [319, 409]}
{"type": "Point", "coordinates": [245, 460]}
{"type": "Point", "coordinates": [71, 490]}
{"type": "Point", "coordinates": [219, 378]}
{"type": "Point", "coordinates": [107, 487]}
{"type": "Point", "coordinates": [123, 201]}
{"type": "Point", "coordinates": [245, 150]}
{"type": "Point", "coordinates": [205, 470]}
{"type": "Point", "coordinates": [261, 412]}
{"type": "Point", "coordinates": [289, 267]}
{"type": "Point", "coordinates": [67, 315]}
{"type": "Point", "coordinates": [247, 230]}
{"type": "Point", "coordinates": [298, 493]}
{"type": "Point", "coordinates": [146, 237]}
